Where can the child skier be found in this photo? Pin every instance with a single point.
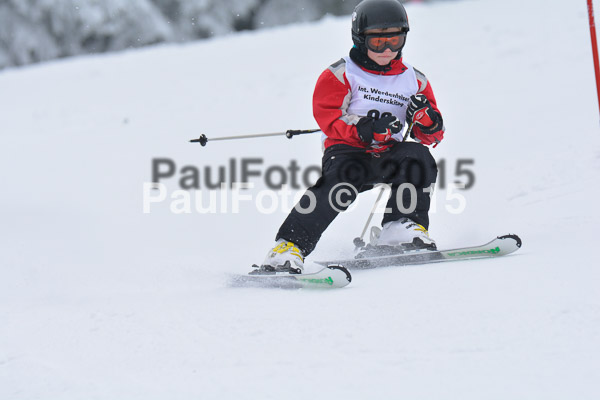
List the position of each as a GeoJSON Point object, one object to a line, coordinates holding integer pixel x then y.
{"type": "Point", "coordinates": [362, 103]}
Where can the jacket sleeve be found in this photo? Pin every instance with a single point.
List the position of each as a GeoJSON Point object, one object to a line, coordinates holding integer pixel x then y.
{"type": "Point", "coordinates": [330, 106]}
{"type": "Point", "coordinates": [425, 89]}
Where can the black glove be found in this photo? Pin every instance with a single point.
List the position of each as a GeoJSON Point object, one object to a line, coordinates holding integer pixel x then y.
{"type": "Point", "coordinates": [420, 111]}
{"type": "Point", "coordinates": [377, 131]}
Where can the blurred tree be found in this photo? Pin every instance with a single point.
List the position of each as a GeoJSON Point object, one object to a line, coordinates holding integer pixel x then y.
{"type": "Point", "coordinates": [38, 30]}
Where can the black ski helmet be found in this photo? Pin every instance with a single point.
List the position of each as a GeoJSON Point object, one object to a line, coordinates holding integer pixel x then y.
{"type": "Point", "coordinates": [377, 14]}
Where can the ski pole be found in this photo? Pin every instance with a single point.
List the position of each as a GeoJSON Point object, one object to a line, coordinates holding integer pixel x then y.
{"type": "Point", "coordinates": [359, 242]}
{"type": "Point", "coordinates": [290, 133]}
{"type": "Point", "coordinates": [407, 134]}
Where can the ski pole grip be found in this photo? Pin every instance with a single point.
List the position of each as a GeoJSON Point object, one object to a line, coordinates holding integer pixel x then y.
{"type": "Point", "coordinates": [202, 140]}
{"type": "Point", "coordinates": [290, 133]}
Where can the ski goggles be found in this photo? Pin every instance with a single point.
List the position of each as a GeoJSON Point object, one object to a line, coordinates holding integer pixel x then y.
{"type": "Point", "coordinates": [378, 42]}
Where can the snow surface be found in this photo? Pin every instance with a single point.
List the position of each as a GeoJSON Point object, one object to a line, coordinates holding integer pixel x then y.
{"type": "Point", "coordinates": [99, 300]}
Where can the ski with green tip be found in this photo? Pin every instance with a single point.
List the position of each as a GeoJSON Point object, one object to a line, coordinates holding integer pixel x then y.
{"type": "Point", "coordinates": [332, 276]}
{"type": "Point", "coordinates": [498, 247]}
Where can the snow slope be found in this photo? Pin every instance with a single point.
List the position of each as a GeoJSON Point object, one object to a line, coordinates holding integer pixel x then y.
{"type": "Point", "coordinates": [100, 300]}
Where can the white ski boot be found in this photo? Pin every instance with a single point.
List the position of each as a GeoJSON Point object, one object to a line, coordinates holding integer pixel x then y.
{"type": "Point", "coordinates": [285, 252]}
{"type": "Point", "coordinates": [397, 237]}
{"type": "Point", "coordinates": [402, 232]}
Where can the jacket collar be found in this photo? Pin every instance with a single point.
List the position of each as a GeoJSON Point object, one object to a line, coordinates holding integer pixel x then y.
{"type": "Point", "coordinates": [397, 67]}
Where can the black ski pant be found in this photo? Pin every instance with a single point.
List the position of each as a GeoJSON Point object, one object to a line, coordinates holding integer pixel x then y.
{"type": "Point", "coordinates": [347, 172]}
